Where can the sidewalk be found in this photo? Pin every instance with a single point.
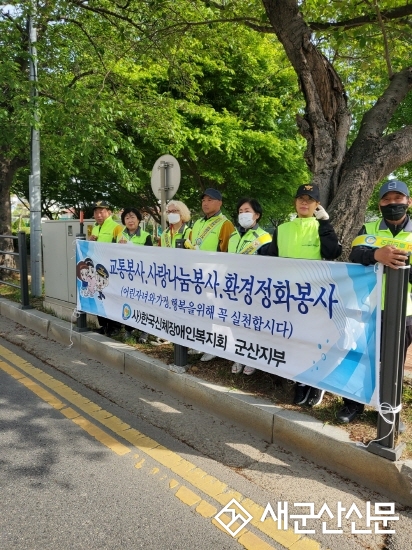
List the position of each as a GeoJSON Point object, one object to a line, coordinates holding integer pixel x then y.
{"type": "Point", "coordinates": [328, 446]}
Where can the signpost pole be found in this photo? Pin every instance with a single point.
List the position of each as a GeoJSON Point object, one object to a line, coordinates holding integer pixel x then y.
{"type": "Point", "coordinates": [163, 191]}
{"type": "Point", "coordinates": [165, 182]}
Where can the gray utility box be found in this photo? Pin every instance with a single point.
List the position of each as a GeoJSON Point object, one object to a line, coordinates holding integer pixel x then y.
{"type": "Point", "coordinates": [59, 262]}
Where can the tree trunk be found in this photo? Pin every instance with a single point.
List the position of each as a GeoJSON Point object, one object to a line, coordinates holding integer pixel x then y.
{"type": "Point", "coordinates": [326, 122]}
{"type": "Point", "coordinates": [346, 178]}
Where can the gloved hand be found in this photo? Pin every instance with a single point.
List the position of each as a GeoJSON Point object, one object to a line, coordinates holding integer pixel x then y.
{"type": "Point", "coordinates": [188, 244]}
{"type": "Point", "coordinates": [321, 214]}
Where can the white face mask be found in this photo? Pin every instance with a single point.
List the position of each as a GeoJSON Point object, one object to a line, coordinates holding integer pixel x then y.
{"type": "Point", "coordinates": [173, 218]}
{"type": "Point", "coordinates": [246, 219]}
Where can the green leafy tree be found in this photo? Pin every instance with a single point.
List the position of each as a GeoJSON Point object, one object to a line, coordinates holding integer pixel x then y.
{"type": "Point", "coordinates": [353, 63]}
{"type": "Point", "coordinates": [135, 80]}
{"type": "Point", "coordinates": [116, 93]}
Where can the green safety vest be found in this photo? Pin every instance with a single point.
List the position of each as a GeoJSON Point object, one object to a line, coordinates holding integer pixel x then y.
{"type": "Point", "coordinates": [183, 233]}
{"type": "Point", "coordinates": [107, 232]}
{"type": "Point", "coordinates": [299, 239]}
{"type": "Point", "coordinates": [251, 241]}
{"type": "Point", "coordinates": [373, 228]}
{"type": "Point", "coordinates": [138, 238]}
{"type": "Point", "coordinates": [205, 233]}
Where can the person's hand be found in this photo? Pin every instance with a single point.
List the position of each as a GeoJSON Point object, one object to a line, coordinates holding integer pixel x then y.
{"type": "Point", "coordinates": [188, 245]}
{"type": "Point", "coordinates": [391, 256]}
{"type": "Point", "coordinates": [122, 241]}
{"type": "Point", "coordinates": [321, 214]}
{"type": "Point", "coordinates": [93, 238]}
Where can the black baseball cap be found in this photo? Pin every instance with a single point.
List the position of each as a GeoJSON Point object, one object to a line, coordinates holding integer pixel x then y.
{"type": "Point", "coordinates": [212, 193]}
{"type": "Point", "coordinates": [101, 204]}
{"type": "Point", "coordinates": [394, 185]}
{"type": "Point", "coordinates": [102, 271]}
{"type": "Point", "coordinates": [309, 189]}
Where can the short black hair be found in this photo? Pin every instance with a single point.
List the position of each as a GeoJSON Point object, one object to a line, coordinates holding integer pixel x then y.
{"type": "Point", "coordinates": [253, 203]}
{"type": "Point", "coordinates": [131, 209]}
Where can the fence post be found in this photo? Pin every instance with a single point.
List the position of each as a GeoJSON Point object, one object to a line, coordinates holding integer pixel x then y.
{"type": "Point", "coordinates": [392, 361]}
{"type": "Point", "coordinates": [81, 323]}
{"type": "Point", "coordinates": [24, 276]}
{"type": "Point", "coordinates": [180, 358]}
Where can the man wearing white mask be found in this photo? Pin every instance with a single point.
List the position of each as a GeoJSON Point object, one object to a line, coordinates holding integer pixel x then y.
{"type": "Point", "coordinates": [249, 238]}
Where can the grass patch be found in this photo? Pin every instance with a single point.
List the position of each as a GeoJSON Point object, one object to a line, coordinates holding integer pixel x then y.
{"type": "Point", "coordinates": [14, 294]}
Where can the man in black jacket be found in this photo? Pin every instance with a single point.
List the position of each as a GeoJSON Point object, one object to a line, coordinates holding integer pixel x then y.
{"type": "Point", "coordinates": [394, 201]}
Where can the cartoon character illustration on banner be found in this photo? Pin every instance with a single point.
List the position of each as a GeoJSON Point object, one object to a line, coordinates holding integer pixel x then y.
{"type": "Point", "coordinates": [82, 272]}
{"type": "Point", "coordinates": [91, 277]}
{"type": "Point", "coordinates": [102, 280]}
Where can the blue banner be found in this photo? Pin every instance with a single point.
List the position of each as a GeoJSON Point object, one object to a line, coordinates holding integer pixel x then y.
{"type": "Point", "coordinates": [315, 322]}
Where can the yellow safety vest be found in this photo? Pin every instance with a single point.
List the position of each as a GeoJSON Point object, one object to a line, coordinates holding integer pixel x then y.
{"type": "Point", "coordinates": [377, 237]}
{"type": "Point", "coordinates": [183, 233]}
{"type": "Point", "coordinates": [108, 231]}
{"type": "Point", "coordinates": [205, 233]}
{"type": "Point", "coordinates": [138, 238]}
{"type": "Point", "coordinates": [252, 240]}
{"type": "Point", "coordinates": [299, 239]}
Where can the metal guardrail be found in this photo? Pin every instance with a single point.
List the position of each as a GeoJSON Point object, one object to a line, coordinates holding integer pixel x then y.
{"type": "Point", "coordinates": [24, 274]}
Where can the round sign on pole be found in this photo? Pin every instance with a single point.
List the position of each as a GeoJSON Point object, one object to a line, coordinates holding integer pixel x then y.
{"type": "Point", "coordinates": [168, 166]}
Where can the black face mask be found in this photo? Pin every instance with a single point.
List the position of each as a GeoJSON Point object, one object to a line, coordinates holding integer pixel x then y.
{"type": "Point", "coordinates": [394, 212]}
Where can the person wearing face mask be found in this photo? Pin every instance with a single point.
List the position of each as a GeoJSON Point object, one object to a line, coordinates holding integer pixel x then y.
{"type": "Point", "coordinates": [395, 223]}
{"type": "Point", "coordinates": [249, 238]}
{"type": "Point", "coordinates": [310, 236]}
{"type": "Point", "coordinates": [133, 234]}
{"type": "Point", "coordinates": [178, 216]}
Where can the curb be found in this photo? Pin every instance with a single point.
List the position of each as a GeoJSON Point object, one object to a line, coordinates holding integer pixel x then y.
{"type": "Point", "coordinates": [328, 446]}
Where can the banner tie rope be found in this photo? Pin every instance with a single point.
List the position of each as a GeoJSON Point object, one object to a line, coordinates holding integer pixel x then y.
{"type": "Point", "coordinates": [384, 409]}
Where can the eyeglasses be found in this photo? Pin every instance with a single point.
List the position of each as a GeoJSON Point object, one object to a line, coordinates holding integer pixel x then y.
{"type": "Point", "coordinates": [172, 212]}
{"type": "Point", "coordinates": [305, 198]}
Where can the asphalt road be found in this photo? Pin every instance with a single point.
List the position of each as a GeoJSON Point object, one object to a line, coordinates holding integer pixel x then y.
{"type": "Point", "coordinates": [73, 476]}
{"type": "Point", "coordinates": [63, 489]}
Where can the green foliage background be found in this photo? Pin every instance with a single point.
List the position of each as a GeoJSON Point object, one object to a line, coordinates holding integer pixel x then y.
{"type": "Point", "coordinates": [120, 85]}
{"type": "Point", "coordinates": [221, 99]}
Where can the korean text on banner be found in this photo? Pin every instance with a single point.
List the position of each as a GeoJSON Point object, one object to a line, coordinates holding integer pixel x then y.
{"type": "Point", "coordinates": [315, 322]}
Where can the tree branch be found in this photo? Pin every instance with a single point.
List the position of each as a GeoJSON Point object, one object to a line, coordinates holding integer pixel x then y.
{"type": "Point", "coordinates": [246, 20]}
{"type": "Point", "coordinates": [397, 148]}
{"type": "Point", "coordinates": [79, 76]}
{"type": "Point", "coordinates": [251, 22]}
{"type": "Point", "coordinates": [89, 38]}
{"type": "Point", "coordinates": [377, 118]}
{"type": "Point", "coordinates": [259, 28]}
{"type": "Point", "coordinates": [385, 39]}
{"type": "Point", "coordinates": [396, 13]}
{"type": "Point", "coordinates": [102, 11]}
